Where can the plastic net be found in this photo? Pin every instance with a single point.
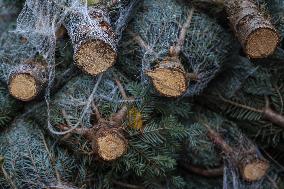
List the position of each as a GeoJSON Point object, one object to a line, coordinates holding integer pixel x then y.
{"type": "Point", "coordinates": [39, 20]}
{"type": "Point", "coordinates": [206, 45]}
{"type": "Point", "coordinates": [244, 148]}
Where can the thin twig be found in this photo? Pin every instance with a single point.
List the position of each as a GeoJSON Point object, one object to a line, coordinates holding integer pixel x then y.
{"type": "Point", "coordinates": [212, 172]}
{"type": "Point", "coordinates": [240, 105]}
{"type": "Point", "coordinates": [52, 160]}
{"type": "Point", "coordinates": [8, 177]}
{"type": "Point", "coordinates": [96, 111]}
{"type": "Point", "coordinates": [126, 185]}
{"type": "Point", "coordinates": [138, 39]}
{"type": "Point", "coordinates": [121, 89]}
{"type": "Point", "coordinates": [180, 42]}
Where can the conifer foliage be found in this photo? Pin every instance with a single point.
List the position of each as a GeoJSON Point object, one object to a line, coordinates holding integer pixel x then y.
{"type": "Point", "coordinates": [141, 94]}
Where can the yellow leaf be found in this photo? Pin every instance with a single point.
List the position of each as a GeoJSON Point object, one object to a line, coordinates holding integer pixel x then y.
{"type": "Point", "coordinates": [135, 118]}
{"type": "Point", "coordinates": [93, 2]}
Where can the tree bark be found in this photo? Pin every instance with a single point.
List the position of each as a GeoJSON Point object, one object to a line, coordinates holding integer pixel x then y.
{"type": "Point", "coordinates": [273, 116]}
{"type": "Point", "coordinates": [254, 30]}
{"type": "Point", "coordinates": [92, 38]}
{"type": "Point", "coordinates": [27, 80]}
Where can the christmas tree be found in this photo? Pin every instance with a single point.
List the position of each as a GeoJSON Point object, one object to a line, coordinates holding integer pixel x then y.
{"type": "Point", "coordinates": [141, 94]}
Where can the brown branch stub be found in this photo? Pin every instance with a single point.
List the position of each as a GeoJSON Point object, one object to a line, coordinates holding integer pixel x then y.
{"type": "Point", "coordinates": [180, 42]}
{"type": "Point", "coordinates": [27, 80]}
{"type": "Point", "coordinates": [257, 35]}
{"type": "Point", "coordinates": [218, 140]}
{"type": "Point", "coordinates": [126, 185]}
{"type": "Point", "coordinates": [267, 112]}
{"type": "Point", "coordinates": [273, 116]}
{"type": "Point", "coordinates": [61, 32]}
{"type": "Point", "coordinates": [93, 40]}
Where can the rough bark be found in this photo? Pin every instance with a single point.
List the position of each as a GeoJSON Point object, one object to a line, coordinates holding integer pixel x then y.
{"type": "Point", "coordinates": [61, 32]}
{"type": "Point", "coordinates": [92, 38]}
{"type": "Point", "coordinates": [27, 80]}
{"type": "Point", "coordinates": [254, 30]}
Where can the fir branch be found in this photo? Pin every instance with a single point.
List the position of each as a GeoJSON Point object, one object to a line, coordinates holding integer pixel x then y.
{"type": "Point", "coordinates": [240, 105]}
{"type": "Point", "coordinates": [267, 112]}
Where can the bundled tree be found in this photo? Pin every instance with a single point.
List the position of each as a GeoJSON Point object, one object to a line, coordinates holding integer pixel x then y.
{"type": "Point", "coordinates": [244, 165]}
{"type": "Point", "coordinates": [250, 23]}
{"type": "Point", "coordinates": [123, 133]}
{"type": "Point", "coordinates": [39, 25]}
{"type": "Point", "coordinates": [254, 30]}
{"type": "Point", "coordinates": [181, 54]}
{"type": "Point", "coordinates": [96, 121]}
{"type": "Point", "coordinates": [256, 102]}
{"type": "Point", "coordinates": [276, 8]}
{"type": "Point", "coordinates": [29, 160]}
{"type": "Point", "coordinates": [25, 75]}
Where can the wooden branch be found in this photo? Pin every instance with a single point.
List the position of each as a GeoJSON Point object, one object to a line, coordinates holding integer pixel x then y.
{"type": "Point", "coordinates": [27, 80]}
{"type": "Point", "coordinates": [211, 172]}
{"type": "Point", "coordinates": [176, 49]}
{"type": "Point", "coordinates": [93, 42]}
{"type": "Point", "coordinates": [267, 112]}
{"type": "Point", "coordinates": [126, 185]}
{"type": "Point", "coordinates": [255, 32]}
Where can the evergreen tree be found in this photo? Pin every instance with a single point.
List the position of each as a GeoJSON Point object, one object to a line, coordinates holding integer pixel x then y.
{"type": "Point", "coordinates": [141, 94]}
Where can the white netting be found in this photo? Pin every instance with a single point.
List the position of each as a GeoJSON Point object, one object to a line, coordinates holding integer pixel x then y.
{"type": "Point", "coordinates": [37, 25]}
{"type": "Point", "coordinates": [206, 43]}
{"type": "Point", "coordinates": [243, 148]}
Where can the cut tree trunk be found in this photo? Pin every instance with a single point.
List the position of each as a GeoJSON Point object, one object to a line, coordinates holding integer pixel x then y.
{"type": "Point", "coordinates": [169, 77]}
{"type": "Point", "coordinates": [27, 80]}
{"type": "Point", "coordinates": [254, 30]}
{"type": "Point", "coordinates": [92, 38]}
{"type": "Point", "coordinates": [109, 144]}
{"type": "Point", "coordinates": [251, 167]}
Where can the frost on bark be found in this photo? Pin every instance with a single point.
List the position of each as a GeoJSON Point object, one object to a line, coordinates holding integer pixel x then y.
{"type": "Point", "coordinates": [254, 30]}
{"type": "Point", "coordinates": [180, 50]}
{"type": "Point", "coordinates": [27, 80]}
{"type": "Point", "coordinates": [93, 39]}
